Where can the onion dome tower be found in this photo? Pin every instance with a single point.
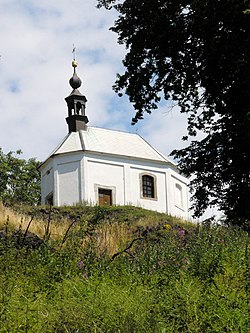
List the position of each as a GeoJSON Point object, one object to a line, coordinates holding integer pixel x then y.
{"type": "Point", "coordinates": [76, 102]}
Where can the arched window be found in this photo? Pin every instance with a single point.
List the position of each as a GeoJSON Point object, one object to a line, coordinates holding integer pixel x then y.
{"type": "Point", "coordinates": [148, 186]}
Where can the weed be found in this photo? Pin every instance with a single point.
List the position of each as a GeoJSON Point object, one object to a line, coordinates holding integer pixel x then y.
{"type": "Point", "coordinates": [121, 270]}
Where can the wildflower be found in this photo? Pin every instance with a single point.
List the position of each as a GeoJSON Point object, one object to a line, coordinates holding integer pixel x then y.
{"type": "Point", "coordinates": [181, 232]}
{"type": "Point", "coordinates": [167, 226]}
{"type": "Point", "coordinates": [85, 274]}
{"type": "Point", "coordinates": [80, 264]}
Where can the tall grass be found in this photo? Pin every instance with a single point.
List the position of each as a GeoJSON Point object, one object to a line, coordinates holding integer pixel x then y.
{"type": "Point", "coordinates": [112, 276]}
{"type": "Point", "coordinates": [38, 224]}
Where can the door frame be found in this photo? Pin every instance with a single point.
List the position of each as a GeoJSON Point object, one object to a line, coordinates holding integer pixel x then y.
{"type": "Point", "coordinates": [105, 187]}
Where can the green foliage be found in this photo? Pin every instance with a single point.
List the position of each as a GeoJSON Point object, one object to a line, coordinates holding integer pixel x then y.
{"type": "Point", "coordinates": [98, 214]}
{"type": "Point", "coordinates": [165, 282]}
{"type": "Point", "coordinates": [195, 54]}
{"type": "Point", "coordinates": [19, 179]}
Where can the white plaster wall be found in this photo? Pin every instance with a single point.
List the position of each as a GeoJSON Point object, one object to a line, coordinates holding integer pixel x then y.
{"type": "Point", "coordinates": [78, 175]}
{"type": "Point", "coordinates": [104, 174]}
{"type": "Point", "coordinates": [179, 196]}
{"type": "Point", "coordinates": [68, 182]}
{"type": "Point", "coordinates": [123, 175]}
{"type": "Point", "coordinates": [160, 202]}
{"type": "Point", "coordinates": [47, 181]}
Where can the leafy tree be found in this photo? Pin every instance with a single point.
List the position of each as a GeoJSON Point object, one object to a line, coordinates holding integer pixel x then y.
{"type": "Point", "coordinates": [19, 179]}
{"type": "Point", "coordinates": [195, 53]}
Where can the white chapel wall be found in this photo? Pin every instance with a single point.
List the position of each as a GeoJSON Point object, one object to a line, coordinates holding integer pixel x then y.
{"type": "Point", "coordinates": [47, 181]}
{"type": "Point", "coordinates": [158, 203]}
{"type": "Point", "coordinates": [106, 175]}
{"type": "Point", "coordinates": [178, 192]}
{"type": "Point", "coordinates": [78, 176]}
{"type": "Point", "coordinates": [67, 184]}
{"type": "Point", "coordinates": [122, 176]}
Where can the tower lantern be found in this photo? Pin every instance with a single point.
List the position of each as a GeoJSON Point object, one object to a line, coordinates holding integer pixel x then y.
{"type": "Point", "coordinates": [76, 102]}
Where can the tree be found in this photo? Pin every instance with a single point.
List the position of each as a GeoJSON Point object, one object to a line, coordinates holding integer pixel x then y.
{"type": "Point", "coordinates": [195, 53]}
{"type": "Point", "coordinates": [19, 179]}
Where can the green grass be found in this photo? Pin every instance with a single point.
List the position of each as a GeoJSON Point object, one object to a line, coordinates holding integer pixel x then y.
{"type": "Point", "coordinates": [129, 214]}
{"type": "Point", "coordinates": [164, 282]}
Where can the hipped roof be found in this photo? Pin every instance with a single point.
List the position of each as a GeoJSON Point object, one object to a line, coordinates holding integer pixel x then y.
{"type": "Point", "coordinates": [111, 142]}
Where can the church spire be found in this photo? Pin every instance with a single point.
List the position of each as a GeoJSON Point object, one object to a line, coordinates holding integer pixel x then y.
{"type": "Point", "coordinates": [76, 102]}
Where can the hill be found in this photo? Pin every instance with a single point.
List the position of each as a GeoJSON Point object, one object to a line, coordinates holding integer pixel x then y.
{"type": "Point", "coordinates": [120, 269]}
{"type": "Point", "coordinates": [114, 224]}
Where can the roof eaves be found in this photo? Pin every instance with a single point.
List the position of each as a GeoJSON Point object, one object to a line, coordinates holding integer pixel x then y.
{"type": "Point", "coordinates": [165, 161]}
{"type": "Point", "coordinates": [160, 154]}
{"type": "Point", "coordinates": [44, 162]}
{"type": "Point", "coordinates": [54, 151]}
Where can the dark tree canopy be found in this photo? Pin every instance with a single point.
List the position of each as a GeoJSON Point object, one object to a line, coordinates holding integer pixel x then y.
{"type": "Point", "coordinates": [196, 53]}
{"type": "Point", "coordinates": [19, 179]}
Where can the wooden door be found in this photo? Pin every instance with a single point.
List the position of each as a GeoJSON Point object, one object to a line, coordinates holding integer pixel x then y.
{"type": "Point", "coordinates": [105, 197]}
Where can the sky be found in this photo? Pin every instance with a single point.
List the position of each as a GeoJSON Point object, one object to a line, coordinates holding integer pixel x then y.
{"type": "Point", "coordinates": [37, 39]}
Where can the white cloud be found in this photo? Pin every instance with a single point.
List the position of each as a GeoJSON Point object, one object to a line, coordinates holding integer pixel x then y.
{"type": "Point", "coordinates": [36, 44]}
{"type": "Point", "coordinates": [37, 39]}
{"type": "Point", "coordinates": [165, 128]}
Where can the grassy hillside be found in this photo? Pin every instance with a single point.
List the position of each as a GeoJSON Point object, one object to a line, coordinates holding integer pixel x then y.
{"type": "Point", "coordinates": [120, 269]}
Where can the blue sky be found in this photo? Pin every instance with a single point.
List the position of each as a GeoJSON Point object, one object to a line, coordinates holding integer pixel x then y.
{"type": "Point", "coordinates": [37, 39]}
{"type": "Point", "coordinates": [36, 52]}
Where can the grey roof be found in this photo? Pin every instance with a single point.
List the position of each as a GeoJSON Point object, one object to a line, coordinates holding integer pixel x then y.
{"type": "Point", "coordinates": [112, 142]}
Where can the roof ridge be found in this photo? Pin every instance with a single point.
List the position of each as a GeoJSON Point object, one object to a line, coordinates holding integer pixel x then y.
{"type": "Point", "coordinates": [60, 144]}
{"type": "Point", "coordinates": [111, 129]}
{"type": "Point", "coordinates": [81, 140]}
{"type": "Point", "coordinates": [55, 149]}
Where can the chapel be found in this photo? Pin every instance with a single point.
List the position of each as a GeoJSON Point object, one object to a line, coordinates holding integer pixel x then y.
{"type": "Point", "coordinates": [99, 166]}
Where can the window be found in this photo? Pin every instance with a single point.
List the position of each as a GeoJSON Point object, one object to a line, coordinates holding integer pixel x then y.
{"type": "Point", "coordinates": [104, 197]}
{"type": "Point", "coordinates": [148, 186]}
{"type": "Point", "coordinates": [178, 196]}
